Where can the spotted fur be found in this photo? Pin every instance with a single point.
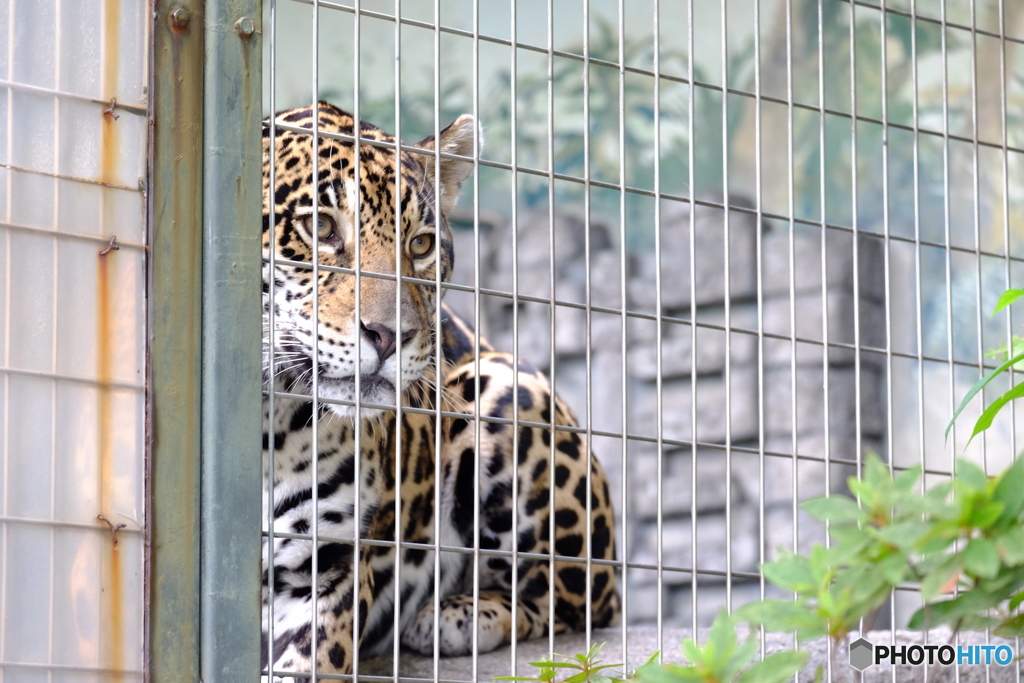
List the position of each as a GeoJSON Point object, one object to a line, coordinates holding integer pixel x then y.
{"type": "Point", "coordinates": [391, 323]}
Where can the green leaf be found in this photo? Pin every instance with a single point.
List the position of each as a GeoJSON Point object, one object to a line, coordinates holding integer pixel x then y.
{"type": "Point", "coordinates": [555, 665]}
{"type": "Point", "coordinates": [791, 572]}
{"type": "Point", "coordinates": [984, 516]}
{"type": "Point", "coordinates": [577, 678]}
{"type": "Point", "coordinates": [978, 386]}
{"type": "Point", "coordinates": [1007, 581]}
{"type": "Point", "coordinates": [934, 503]}
{"type": "Point", "coordinates": [692, 651]}
{"type": "Point", "coordinates": [861, 489]}
{"type": "Point", "coordinates": [1007, 298]}
{"type": "Point", "coordinates": [514, 678]}
{"type": "Point", "coordinates": [981, 558]}
{"type": "Point", "coordinates": [969, 602]}
{"type": "Point", "coordinates": [722, 637]}
{"type": "Point", "coordinates": [656, 673]}
{"type": "Point", "coordinates": [939, 578]}
{"type": "Point", "coordinates": [599, 678]}
{"type": "Point", "coordinates": [863, 584]}
{"type": "Point", "coordinates": [905, 535]}
{"type": "Point", "coordinates": [1012, 627]}
{"type": "Point", "coordinates": [876, 473]}
{"type": "Point", "coordinates": [1011, 546]}
{"type": "Point", "coordinates": [1009, 491]}
{"type": "Point", "coordinates": [598, 667]}
{"type": "Point", "coordinates": [905, 481]}
{"type": "Point", "coordinates": [781, 615]}
{"type": "Point", "coordinates": [834, 509]}
{"type": "Point", "coordinates": [976, 622]}
{"type": "Point", "coordinates": [893, 568]}
{"type": "Point", "coordinates": [775, 668]}
{"type": "Point", "coordinates": [1016, 600]}
{"type": "Point", "coordinates": [985, 421]}
{"type": "Point", "coordinates": [847, 542]}
{"type": "Point", "coordinates": [969, 474]}
{"type": "Point", "coordinates": [743, 654]}
{"type": "Point", "coordinates": [820, 566]}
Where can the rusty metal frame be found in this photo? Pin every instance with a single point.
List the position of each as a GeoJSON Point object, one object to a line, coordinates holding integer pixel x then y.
{"type": "Point", "coordinates": [203, 474]}
{"type": "Point", "coordinates": [175, 326]}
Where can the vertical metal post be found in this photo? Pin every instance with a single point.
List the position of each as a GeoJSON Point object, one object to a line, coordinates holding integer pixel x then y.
{"type": "Point", "coordinates": [693, 319]}
{"type": "Point", "coordinates": [659, 387]}
{"type": "Point", "coordinates": [514, 218]}
{"type": "Point", "coordinates": [175, 305]}
{"type": "Point", "coordinates": [623, 338]}
{"type": "Point", "coordinates": [231, 338]}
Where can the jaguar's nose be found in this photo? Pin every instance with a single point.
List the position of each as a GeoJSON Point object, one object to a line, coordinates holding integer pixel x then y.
{"type": "Point", "coordinates": [383, 338]}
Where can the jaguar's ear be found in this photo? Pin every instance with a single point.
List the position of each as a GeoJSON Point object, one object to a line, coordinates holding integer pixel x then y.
{"type": "Point", "coordinates": [457, 138]}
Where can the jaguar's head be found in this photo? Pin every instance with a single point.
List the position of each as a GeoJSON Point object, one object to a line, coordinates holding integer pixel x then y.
{"type": "Point", "coordinates": [386, 321]}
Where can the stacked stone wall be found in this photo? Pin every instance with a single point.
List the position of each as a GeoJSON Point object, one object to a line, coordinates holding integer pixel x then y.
{"type": "Point", "coordinates": [743, 381]}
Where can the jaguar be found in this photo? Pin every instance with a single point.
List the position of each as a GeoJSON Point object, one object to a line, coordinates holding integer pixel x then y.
{"type": "Point", "coordinates": [490, 474]}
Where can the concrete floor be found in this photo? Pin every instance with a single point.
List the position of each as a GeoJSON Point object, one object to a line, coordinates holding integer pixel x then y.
{"type": "Point", "coordinates": [643, 641]}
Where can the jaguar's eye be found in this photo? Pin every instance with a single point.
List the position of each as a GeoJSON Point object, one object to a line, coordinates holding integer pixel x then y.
{"type": "Point", "coordinates": [325, 225]}
{"type": "Point", "coordinates": [421, 245]}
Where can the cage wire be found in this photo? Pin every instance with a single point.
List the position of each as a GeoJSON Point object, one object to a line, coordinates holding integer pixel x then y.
{"type": "Point", "coordinates": [747, 241]}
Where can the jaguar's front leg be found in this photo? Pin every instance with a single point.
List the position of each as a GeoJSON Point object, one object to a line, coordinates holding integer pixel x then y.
{"type": "Point", "coordinates": [457, 618]}
{"type": "Point", "coordinates": [293, 634]}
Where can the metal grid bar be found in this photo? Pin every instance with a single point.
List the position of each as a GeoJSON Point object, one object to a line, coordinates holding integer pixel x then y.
{"type": "Point", "coordinates": [269, 329]}
{"type": "Point", "coordinates": [314, 469]}
{"type": "Point", "coordinates": [623, 339]}
{"type": "Point", "coordinates": [438, 356]}
{"type": "Point", "coordinates": [690, 26]}
{"type": "Point", "coordinates": [727, 277]}
{"type": "Point", "coordinates": [588, 298]}
{"type": "Point", "coordinates": [357, 511]}
{"type": "Point", "coordinates": [948, 255]}
{"type": "Point", "coordinates": [552, 310]}
{"type": "Point", "coordinates": [759, 255]}
{"type": "Point", "coordinates": [516, 424]}
{"type": "Point", "coordinates": [659, 389]}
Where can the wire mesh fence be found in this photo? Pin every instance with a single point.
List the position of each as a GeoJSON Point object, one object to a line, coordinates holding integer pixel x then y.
{"type": "Point", "coordinates": [72, 167]}
{"type": "Point", "coordinates": [747, 243]}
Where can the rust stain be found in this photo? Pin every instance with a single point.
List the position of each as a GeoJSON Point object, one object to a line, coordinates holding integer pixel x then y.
{"type": "Point", "coordinates": [111, 137]}
{"type": "Point", "coordinates": [112, 598]}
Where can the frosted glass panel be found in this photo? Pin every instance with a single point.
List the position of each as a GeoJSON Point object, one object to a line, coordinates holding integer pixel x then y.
{"type": "Point", "coordinates": [72, 352]}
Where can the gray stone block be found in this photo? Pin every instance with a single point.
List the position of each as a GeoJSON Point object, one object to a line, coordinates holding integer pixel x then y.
{"type": "Point", "coordinates": [810, 400]}
{"type": "Point", "coordinates": [676, 483]}
{"type": "Point", "coordinates": [711, 409]}
{"type": "Point", "coordinates": [677, 356]}
{"type": "Point", "coordinates": [799, 269]}
{"type": "Point", "coordinates": [714, 540]}
{"type": "Point", "coordinates": [710, 267]}
{"type": "Point", "coordinates": [778, 530]}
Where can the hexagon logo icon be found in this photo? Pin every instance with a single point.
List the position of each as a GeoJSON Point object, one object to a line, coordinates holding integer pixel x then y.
{"type": "Point", "coordinates": [861, 654]}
